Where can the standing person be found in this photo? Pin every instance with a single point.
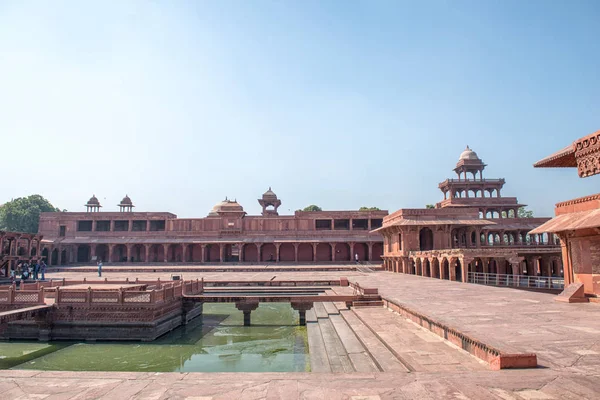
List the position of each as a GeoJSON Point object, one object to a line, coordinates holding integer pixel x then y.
{"type": "Point", "coordinates": [356, 257]}
{"type": "Point", "coordinates": [100, 268]}
{"type": "Point", "coordinates": [43, 269]}
{"type": "Point", "coordinates": [36, 271]}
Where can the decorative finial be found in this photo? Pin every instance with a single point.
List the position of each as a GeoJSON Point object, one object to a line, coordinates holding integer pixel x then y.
{"type": "Point", "coordinates": [269, 187]}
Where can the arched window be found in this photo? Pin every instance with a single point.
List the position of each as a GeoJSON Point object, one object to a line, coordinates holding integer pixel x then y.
{"type": "Point", "coordinates": [426, 239]}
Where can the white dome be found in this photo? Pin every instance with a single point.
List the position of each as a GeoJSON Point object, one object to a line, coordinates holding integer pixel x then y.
{"type": "Point", "coordinates": [468, 154]}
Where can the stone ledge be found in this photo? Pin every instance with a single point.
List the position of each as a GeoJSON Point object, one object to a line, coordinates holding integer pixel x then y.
{"type": "Point", "coordinates": [496, 358]}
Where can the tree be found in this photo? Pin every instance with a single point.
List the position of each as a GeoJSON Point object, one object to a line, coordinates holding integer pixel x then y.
{"type": "Point", "coordinates": [23, 214]}
{"type": "Point", "coordinates": [369, 209]}
{"type": "Point", "coordinates": [429, 206]}
{"type": "Point", "coordinates": [524, 213]}
{"type": "Point", "coordinates": [312, 207]}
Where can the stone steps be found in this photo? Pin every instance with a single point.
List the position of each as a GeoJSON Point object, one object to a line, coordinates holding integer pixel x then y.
{"type": "Point", "coordinates": [382, 356]}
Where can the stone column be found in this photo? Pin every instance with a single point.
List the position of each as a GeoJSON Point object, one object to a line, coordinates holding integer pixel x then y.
{"type": "Point", "coordinates": [332, 245]}
{"type": "Point", "coordinates": [165, 252]}
{"type": "Point", "coordinates": [370, 245]}
{"type": "Point", "coordinates": [296, 245]}
{"type": "Point", "coordinates": [110, 253]}
{"type": "Point", "coordinates": [241, 249]}
{"type": "Point", "coordinates": [246, 307]}
{"type": "Point", "coordinates": [203, 252]}
{"type": "Point", "coordinates": [60, 260]}
{"type": "Point", "coordinates": [128, 251]}
{"type": "Point", "coordinates": [314, 252]}
{"type": "Point", "coordinates": [183, 251]}
{"type": "Point", "coordinates": [146, 253]}
{"type": "Point", "coordinates": [302, 307]}
{"type": "Point", "coordinates": [277, 245]}
{"type": "Point", "coordinates": [221, 253]}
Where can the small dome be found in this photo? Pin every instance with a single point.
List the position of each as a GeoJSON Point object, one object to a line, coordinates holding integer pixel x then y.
{"type": "Point", "coordinates": [93, 200]}
{"type": "Point", "coordinates": [468, 154]}
{"type": "Point", "coordinates": [226, 206]}
{"type": "Point", "coordinates": [269, 194]}
{"type": "Point", "coordinates": [126, 200]}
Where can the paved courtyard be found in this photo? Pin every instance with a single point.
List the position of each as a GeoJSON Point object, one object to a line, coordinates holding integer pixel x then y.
{"type": "Point", "coordinates": [565, 337]}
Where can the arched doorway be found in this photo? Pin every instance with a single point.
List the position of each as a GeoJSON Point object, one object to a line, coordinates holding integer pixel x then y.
{"type": "Point", "coordinates": [287, 252]}
{"type": "Point", "coordinates": [342, 252]}
{"type": "Point", "coordinates": [63, 257]}
{"type": "Point", "coordinates": [250, 253]}
{"type": "Point", "coordinates": [458, 271]}
{"type": "Point", "coordinates": [102, 252]}
{"type": "Point", "coordinates": [377, 251]}
{"type": "Point", "coordinates": [435, 268]}
{"type": "Point", "coordinates": [45, 254]}
{"type": "Point", "coordinates": [362, 249]}
{"type": "Point", "coordinates": [425, 239]}
{"type": "Point", "coordinates": [156, 253]}
{"type": "Point", "coordinates": [83, 253]}
{"type": "Point", "coordinates": [323, 252]}
{"type": "Point", "coordinates": [305, 252]}
{"type": "Point", "coordinates": [55, 257]}
{"type": "Point", "coordinates": [427, 266]}
{"type": "Point", "coordinates": [119, 253]}
{"type": "Point", "coordinates": [268, 252]}
{"type": "Point", "coordinates": [138, 252]}
{"type": "Point", "coordinates": [174, 253]}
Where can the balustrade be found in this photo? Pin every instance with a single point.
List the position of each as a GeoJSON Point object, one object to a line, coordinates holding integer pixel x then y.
{"type": "Point", "coordinates": [526, 281]}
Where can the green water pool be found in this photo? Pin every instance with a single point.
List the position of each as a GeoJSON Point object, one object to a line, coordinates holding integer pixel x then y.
{"type": "Point", "coordinates": [217, 342]}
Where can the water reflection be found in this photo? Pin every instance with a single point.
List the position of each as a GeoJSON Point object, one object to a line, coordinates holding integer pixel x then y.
{"type": "Point", "coordinates": [217, 343]}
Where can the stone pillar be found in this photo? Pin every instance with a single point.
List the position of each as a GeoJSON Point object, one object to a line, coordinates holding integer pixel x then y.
{"type": "Point", "coordinates": [222, 253]}
{"type": "Point", "coordinates": [302, 307]}
{"type": "Point", "coordinates": [203, 252]}
{"type": "Point", "coordinates": [258, 247]}
{"type": "Point", "coordinates": [147, 253]}
{"type": "Point", "coordinates": [183, 251]}
{"type": "Point", "coordinates": [29, 247]}
{"type": "Point", "coordinates": [332, 245]}
{"type": "Point", "coordinates": [165, 252]}
{"type": "Point", "coordinates": [60, 260]}
{"type": "Point", "coordinates": [277, 245]}
{"type": "Point", "coordinates": [128, 251]}
{"type": "Point", "coordinates": [246, 307]}
{"type": "Point", "coordinates": [296, 245]}
{"type": "Point", "coordinates": [370, 256]}
{"type": "Point", "coordinates": [111, 247]}
{"type": "Point", "coordinates": [241, 249]}
{"type": "Point", "coordinates": [314, 252]}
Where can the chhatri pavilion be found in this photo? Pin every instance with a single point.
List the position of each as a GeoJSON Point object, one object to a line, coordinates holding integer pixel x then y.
{"type": "Point", "coordinates": [473, 230]}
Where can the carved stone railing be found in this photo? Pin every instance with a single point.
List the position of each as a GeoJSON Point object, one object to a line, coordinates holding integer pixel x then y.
{"type": "Point", "coordinates": [521, 281]}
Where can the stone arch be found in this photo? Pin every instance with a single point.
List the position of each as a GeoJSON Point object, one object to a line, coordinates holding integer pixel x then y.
{"type": "Point", "coordinates": [445, 269]}
{"type": "Point", "coordinates": [213, 253]}
{"type": "Point", "coordinates": [362, 249]}
{"type": "Point", "coordinates": [119, 253]}
{"type": "Point", "coordinates": [138, 252]}
{"type": "Point", "coordinates": [377, 251]}
{"type": "Point", "coordinates": [323, 252]}
{"type": "Point", "coordinates": [54, 257]}
{"type": "Point", "coordinates": [102, 252]}
{"type": "Point", "coordinates": [412, 267]}
{"type": "Point", "coordinates": [287, 252]}
{"type": "Point", "coordinates": [435, 268]}
{"type": "Point", "coordinates": [156, 253]}
{"type": "Point", "coordinates": [83, 253]}
{"type": "Point", "coordinates": [305, 252]}
{"type": "Point", "coordinates": [457, 269]}
{"type": "Point", "coordinates": [342, 252]}
{"type": "Point", "coordinates": [250, 252]}
{"type": "Point", "coordinates": [33, 252]}
{"type": "Point", "coordinates": [427, 267]}
{"type": "Point", "coordinates": [45, 254]}
{"type": "Point", "coordinates": [425, 239]}
{"type": "Point", "coordinates": [268, 252]}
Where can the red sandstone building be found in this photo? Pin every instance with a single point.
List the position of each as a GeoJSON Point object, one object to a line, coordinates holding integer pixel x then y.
{"type": "Point", "coordinates": [227, 234]}
{"type": "Point", "coordinates": [577, 221]}
{"type": "Point", "coordinates": [473, 230]}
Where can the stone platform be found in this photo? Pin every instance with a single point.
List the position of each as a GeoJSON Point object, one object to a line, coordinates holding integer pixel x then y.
{"type": "Point", "coordinates": [565, 338]}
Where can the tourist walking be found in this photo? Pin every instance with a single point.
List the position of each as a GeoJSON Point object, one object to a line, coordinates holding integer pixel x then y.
{"type": "Point", "coordinates": [100, 268]}
{"type": "Point", "coordinates": [356, 257]}
{"type": "Point", "coordinates": [43, 269]}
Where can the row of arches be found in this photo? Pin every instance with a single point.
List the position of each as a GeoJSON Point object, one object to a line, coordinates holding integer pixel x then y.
{"type": "Point", "coordinates": [215, 252]}
{"type": "Point", "coordinates": [472, 193]}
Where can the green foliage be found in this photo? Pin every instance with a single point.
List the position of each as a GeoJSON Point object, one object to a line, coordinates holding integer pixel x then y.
{"type": "Point", "coordinates": [429, 206]}
{"type": "Point", "coordinates": [312, 207]}
{"type": "Point", "coordinates": [23, 214]}
{"type": "Point", "coordinates": [369, 209]}
{"type": "Point", "coordinates": [524, 213]}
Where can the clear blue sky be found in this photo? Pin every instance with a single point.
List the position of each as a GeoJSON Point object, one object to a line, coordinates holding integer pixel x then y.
{"type": "Point", "coordinates": [337, 103]}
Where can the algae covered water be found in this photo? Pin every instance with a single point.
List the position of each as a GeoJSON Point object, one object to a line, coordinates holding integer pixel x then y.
{"type": "Point", "coordinates": [217, 342]}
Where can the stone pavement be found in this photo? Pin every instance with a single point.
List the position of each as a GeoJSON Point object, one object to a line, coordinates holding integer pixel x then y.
{"type": "Point", "coordinates": [502, 385]}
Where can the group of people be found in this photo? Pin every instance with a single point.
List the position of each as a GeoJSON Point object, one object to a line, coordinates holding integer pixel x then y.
{"type": "Point", "coordinates": [30, 271]}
